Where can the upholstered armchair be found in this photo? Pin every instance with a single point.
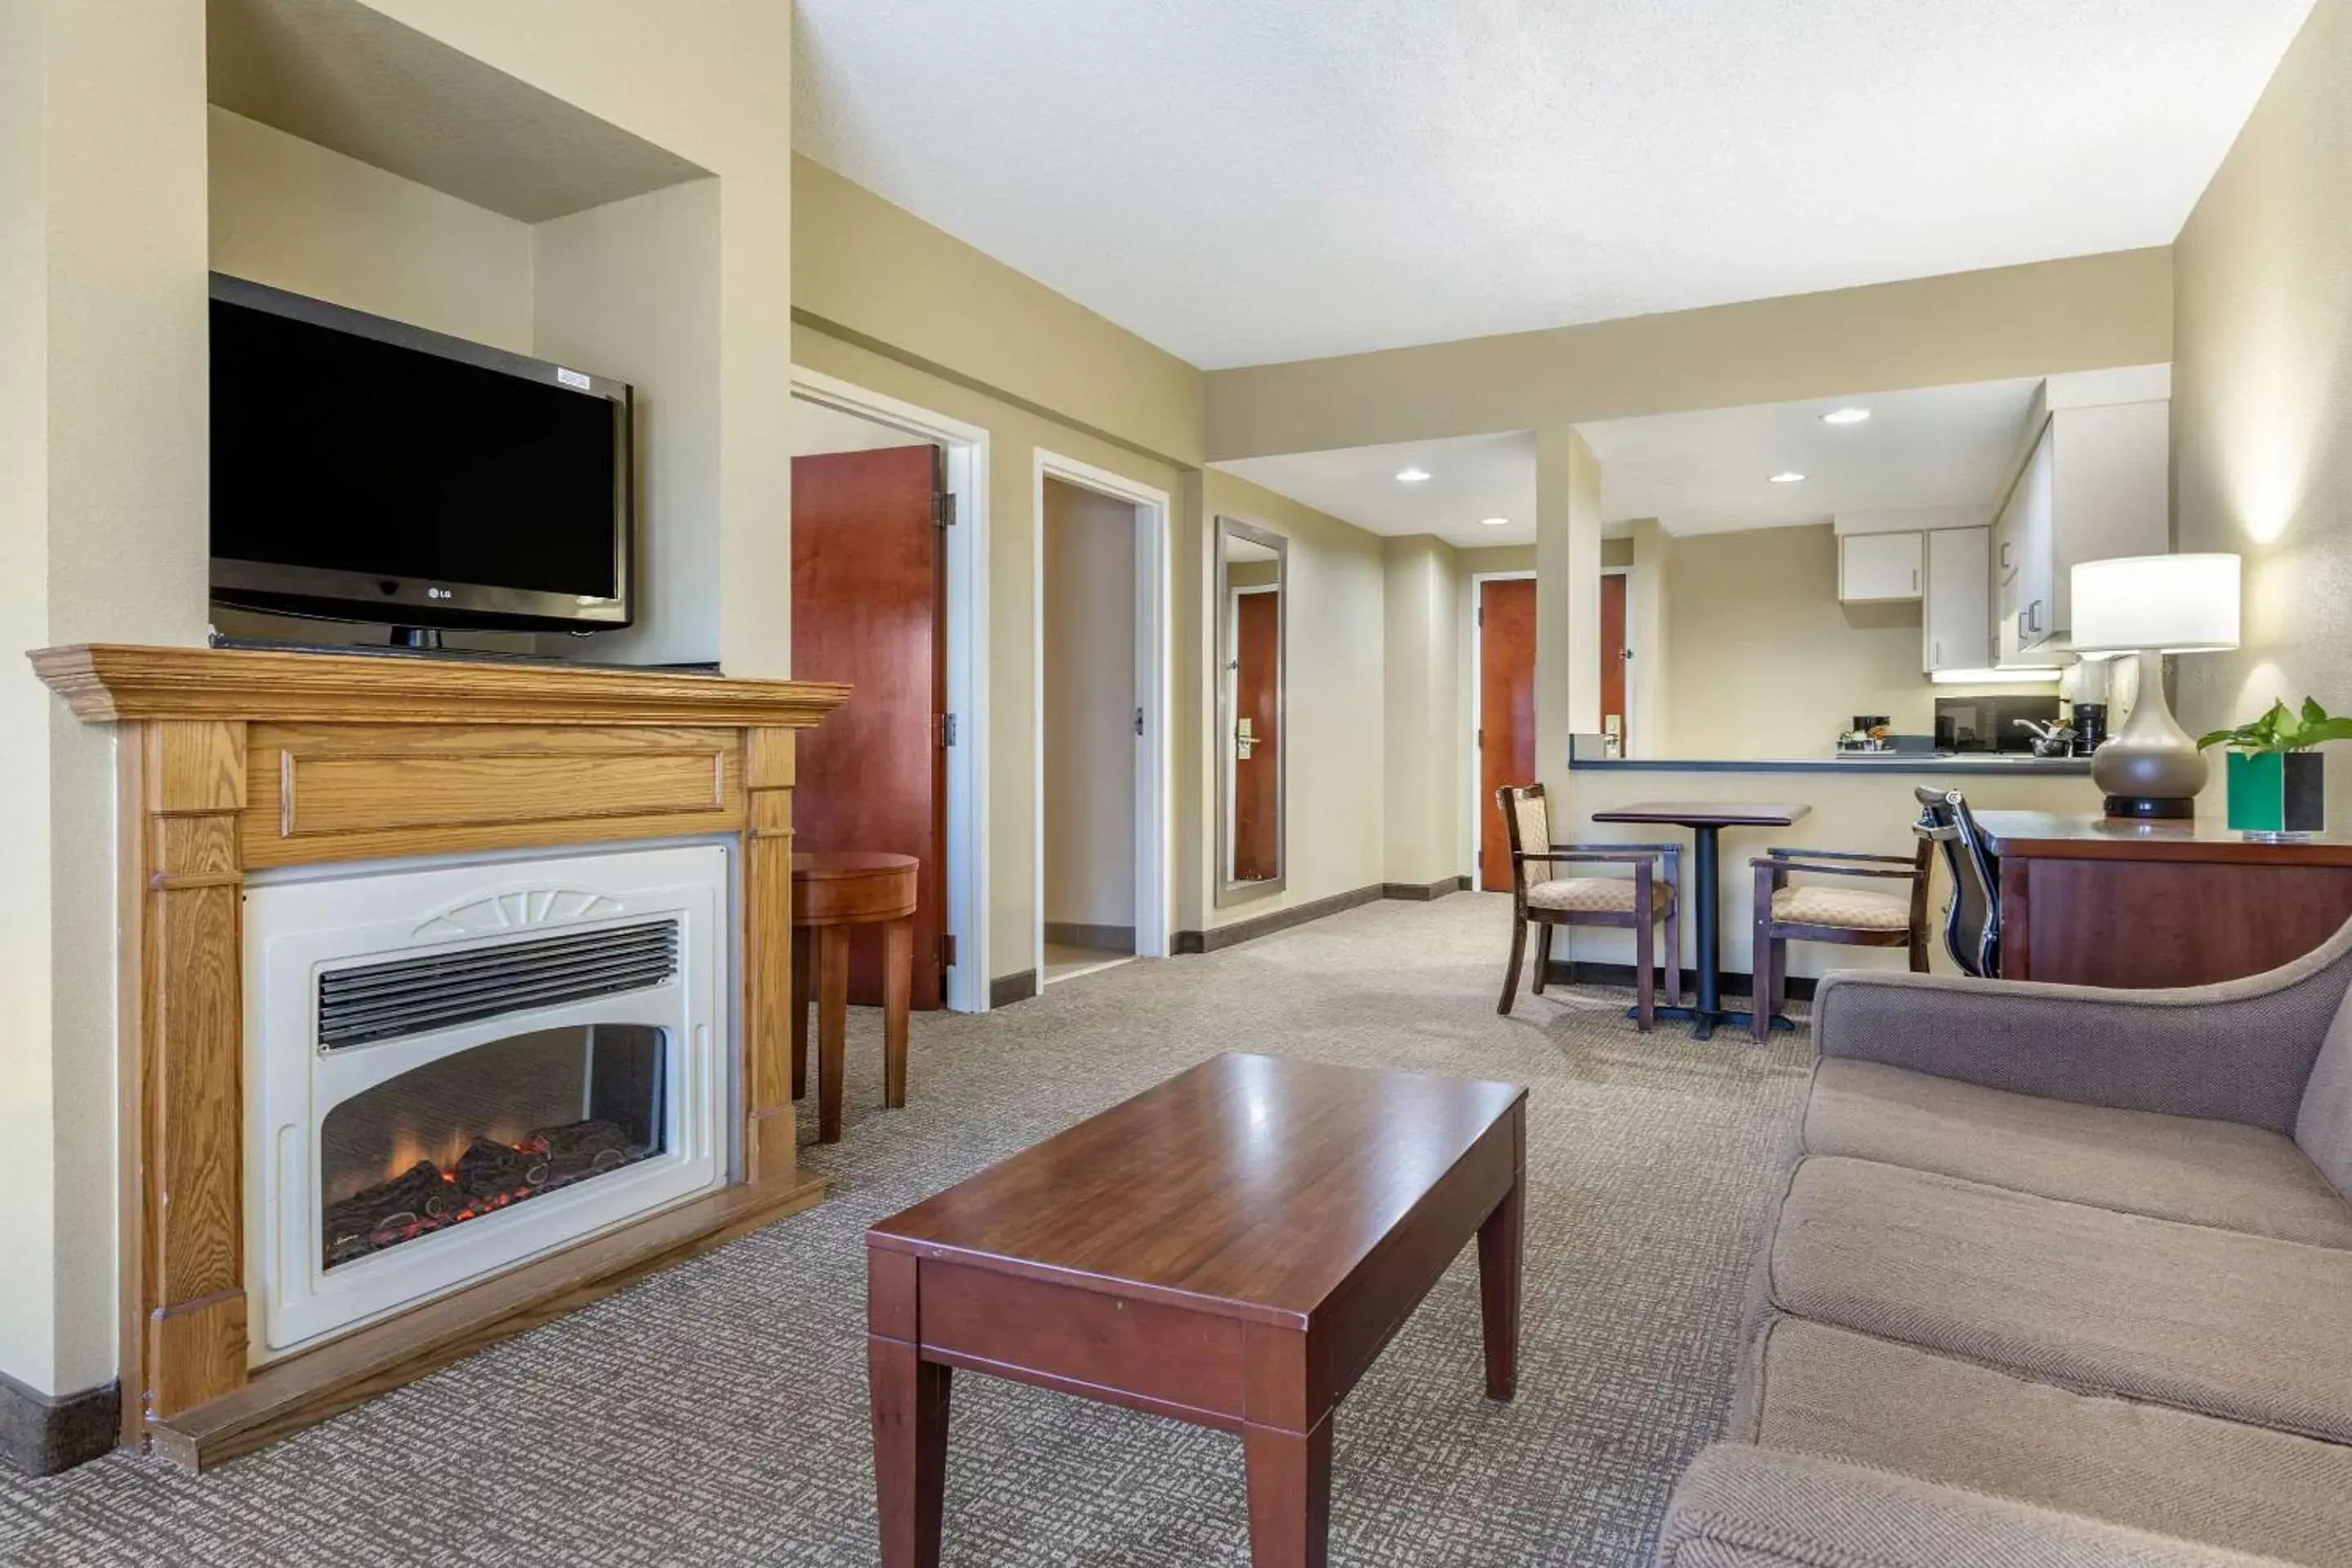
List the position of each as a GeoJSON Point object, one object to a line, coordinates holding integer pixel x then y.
{"type": "Point", "coordinates": [1544, 898]}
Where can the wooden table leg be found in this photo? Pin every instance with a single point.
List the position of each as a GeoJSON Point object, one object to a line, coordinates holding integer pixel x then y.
{"type": "Point", "coordinates": [1499, 1249]}
{"type": "Point", "coordinates": [1289, 1495]}
{"type": "Point", "coordinates": [910, 1399]}
{"type": "Point", "coordinates": [801, 957]}
{"type": "Point", "coordinates": [832, 1026]}
{"type": "Point", "coordinates": [898, 983]}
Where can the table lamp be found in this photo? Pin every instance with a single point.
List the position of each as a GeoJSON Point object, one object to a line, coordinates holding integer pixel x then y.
{"type": "Point", "coordinates": [2150, 606]}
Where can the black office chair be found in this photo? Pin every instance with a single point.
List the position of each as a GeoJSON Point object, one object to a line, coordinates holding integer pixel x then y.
{"type": "Point", "coordinates": [1972, 920]}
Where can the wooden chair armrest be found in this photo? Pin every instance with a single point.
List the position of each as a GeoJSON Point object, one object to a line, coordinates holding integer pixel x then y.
{"type": "Point", "coordinates": [1909, 873]}
{"type": "Point", "coordinates": [1838, 854]}
{"type": "Point", "coordinates": [1621, 854]}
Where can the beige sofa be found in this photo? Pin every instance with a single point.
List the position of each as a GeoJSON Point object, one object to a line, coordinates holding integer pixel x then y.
{"type": "Point", "coordinates": [2058, 1276]}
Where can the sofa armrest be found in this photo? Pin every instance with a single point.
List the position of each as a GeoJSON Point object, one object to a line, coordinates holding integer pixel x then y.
{"type": "Point", "coordinates": [1743, 1507]}
{"type": "Point", "coordinates": [2241, 1051]}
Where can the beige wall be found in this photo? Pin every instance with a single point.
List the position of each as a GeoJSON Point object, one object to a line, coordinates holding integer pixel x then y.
{"type": "Point", "coordinates": [630, 289]}
{"type": "Point", "coordinates": [1089, 713]}
{"type": "Point", "coordinates": [295, 216]}
{"type": "Point", "coordinates": [871, 273]}
{"type": "Point", "coordinates": [1568, 598]}
{"type": "Point", "coordinates": [2261, 400]}
{"type": "Point", "coordinates": [1015, 435]}
{"type": "Point", "coordinates": [102, 449]}
{"type": "Point", "coordinates": [1423, 725]}
{"type": "Point", "coordinates": [2087, 313]}
{"type": "Point", "coordinates": [1334, 702]}
{"type": "Point", "coordinates": [1764, 662]}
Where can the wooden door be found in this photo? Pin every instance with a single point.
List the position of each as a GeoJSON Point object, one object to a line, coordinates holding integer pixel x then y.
{"type": "Point", "coordinates": [1612, 656]}
{"type": "Point", "coordinates": [1506, 714]}
{"type": "Point", "coordinates": [870, 608]}
{"type": "Point", "coordinates": [1257, 780]}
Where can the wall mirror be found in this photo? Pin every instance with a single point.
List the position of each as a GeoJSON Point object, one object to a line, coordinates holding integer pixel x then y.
{"type": "Point", "coordinates": [1252, 589]}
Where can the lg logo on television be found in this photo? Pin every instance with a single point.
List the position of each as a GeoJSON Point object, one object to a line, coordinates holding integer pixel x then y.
{"type": "Point", "coordinates": [439, 594]}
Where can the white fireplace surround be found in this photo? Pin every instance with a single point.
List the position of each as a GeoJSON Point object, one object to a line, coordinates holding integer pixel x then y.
{"type": "Point", "coordinates": [298, 925]}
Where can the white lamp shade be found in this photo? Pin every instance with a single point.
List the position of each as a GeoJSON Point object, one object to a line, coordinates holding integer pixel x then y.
{"type": "Point", "coordinates": [2178, 604]}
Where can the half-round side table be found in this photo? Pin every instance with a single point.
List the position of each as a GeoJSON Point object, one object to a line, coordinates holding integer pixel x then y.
{"type": "Point", "coordinates": [831, 893]}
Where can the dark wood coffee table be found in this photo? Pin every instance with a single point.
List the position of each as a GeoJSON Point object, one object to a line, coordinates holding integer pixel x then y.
{"type": "Point", "coordinates": [1233, 1249]}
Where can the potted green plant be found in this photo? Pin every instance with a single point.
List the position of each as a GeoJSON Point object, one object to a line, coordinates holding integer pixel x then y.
{"type": "Point", "coordinates": [2276, 780]}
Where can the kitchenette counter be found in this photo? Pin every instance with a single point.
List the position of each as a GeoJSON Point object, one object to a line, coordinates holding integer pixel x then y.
{"type": "Point", "coordinates": [2004, 763]}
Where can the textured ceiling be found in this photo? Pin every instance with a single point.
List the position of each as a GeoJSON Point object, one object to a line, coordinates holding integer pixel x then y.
{"type": "Point", "coordinates": [1241, 182]}
{"type": "Point", "coordinates": [1470, 479]}
{"type": "Point", "coordinates": [1711, 473]}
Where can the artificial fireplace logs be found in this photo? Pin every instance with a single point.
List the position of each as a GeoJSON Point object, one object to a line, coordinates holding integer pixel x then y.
{"type": "Point", "coordinates": [490, 1175]}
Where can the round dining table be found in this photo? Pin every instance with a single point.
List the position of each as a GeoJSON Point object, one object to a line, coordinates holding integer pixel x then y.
{"type": "Point", "coordinates": [1707, 819]}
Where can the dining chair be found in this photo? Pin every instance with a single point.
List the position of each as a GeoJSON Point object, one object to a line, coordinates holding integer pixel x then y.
{"type": "Point", "coordinates": [1856, 917]}
{"type": "Point", "coordinates": [1972, 920]}
{"type": "Point", "coordinates": [1544, 899]}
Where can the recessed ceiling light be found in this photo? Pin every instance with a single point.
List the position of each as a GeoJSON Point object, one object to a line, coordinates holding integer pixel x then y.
{"type": "Point", "coordinates": [1494, 522]}
{"type": "Point", "coordinates": [1790, 478]}
{"type": "Point", "coordinates": [1412, 476]}
{"type": "Point", "coordinates": [1845, 416]}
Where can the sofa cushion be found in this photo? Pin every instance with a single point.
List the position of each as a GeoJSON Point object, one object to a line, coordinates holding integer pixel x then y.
{"type": "Point", "coordinates": [2323, 1125]}
{"type": "Point", "coordinates": [2171, 1167]}
{"type": "Point", "coordinates": [2242, 1327]}
{"type": "Point", "coordinates": [1742, 1507]}
{"type": "Point", "coordinates": [1829, 1390]}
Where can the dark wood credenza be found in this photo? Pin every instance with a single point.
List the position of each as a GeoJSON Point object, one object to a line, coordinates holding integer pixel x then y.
{"type": "Point", "coordinates": [2091, 900]}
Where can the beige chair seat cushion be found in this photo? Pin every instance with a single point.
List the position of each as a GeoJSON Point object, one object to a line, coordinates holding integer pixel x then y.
{"type": "Point", "coordinates": [1845, 1396]}
{"type": "Point", "coordinates": [2170, 1167]}
{"type": "Point", "coordinates": [1595, 894]}
{"type": "Point", "coordinates": [2241, 1327]}
{"type": "Point", "coordinates": [1851, 909]}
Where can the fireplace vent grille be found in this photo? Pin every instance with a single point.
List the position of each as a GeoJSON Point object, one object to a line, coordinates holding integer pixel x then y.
{"type": "Point", "coordinates": [413, 995]}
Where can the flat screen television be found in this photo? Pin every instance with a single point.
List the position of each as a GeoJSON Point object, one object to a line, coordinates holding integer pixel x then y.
{"type": "Point", "coordinates": [368, 470]}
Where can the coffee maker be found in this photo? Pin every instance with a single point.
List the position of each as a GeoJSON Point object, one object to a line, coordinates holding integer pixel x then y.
{"type": "Point", "coordinates": [2090, 726]}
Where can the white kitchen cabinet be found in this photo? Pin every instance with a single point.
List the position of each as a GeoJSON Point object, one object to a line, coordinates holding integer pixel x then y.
{"type": "Point", "coordinates": [1880, 566]}
{"type": "Point", "coordinates": [1956, 622]}
{"type": "Point", "coordinates": [2096, 487]}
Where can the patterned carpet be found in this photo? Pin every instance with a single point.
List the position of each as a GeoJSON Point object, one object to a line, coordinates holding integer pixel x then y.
{"type": "Point", "coordinates": [716, 1413]}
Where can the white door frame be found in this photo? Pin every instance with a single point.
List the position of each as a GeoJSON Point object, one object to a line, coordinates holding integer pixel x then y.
{"type": "Point", "coordinates": [1154, 662]}
{"type": "Point", "coordinates": [1478, 714]}
{"type": "Point", "coordinates": [966, 448]}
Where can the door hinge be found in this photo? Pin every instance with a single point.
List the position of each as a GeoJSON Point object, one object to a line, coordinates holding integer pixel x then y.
{"type": "Point", "coordinates": [1138, 721]}
{"type": "Point", "coordinates": [943, 729]}
{"type": "Point", "coordinates": [943, 508]}
{"type": "Point", "coordinates": [1482, 615]}
{"type": "Point", "coordinates": [1478, 738]}
{"type": "Point", "coordinates": [946, 950]}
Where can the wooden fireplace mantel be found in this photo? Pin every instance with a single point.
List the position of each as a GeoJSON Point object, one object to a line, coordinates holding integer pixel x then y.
{"type": "Point", "coordinates": [233, 761]}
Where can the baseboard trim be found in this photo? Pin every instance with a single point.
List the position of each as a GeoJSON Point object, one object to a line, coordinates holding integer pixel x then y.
{"type": "Point", "coordinates": [42, 1434]}
{"type": "Point", "coordinates": [1006, 989]}
{"type": "Point", "coordinates": [1422, 892]}
{"type": "Point", "coordinates": [1218, 938]}
{"type": "Point", "coordinates": [1578, 972]}
{"type": "Point", "coordinates": [1093, 937]}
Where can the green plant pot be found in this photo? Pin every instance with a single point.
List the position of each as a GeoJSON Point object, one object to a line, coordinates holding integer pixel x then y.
{"type": "Point", "coordinates": [2277, 791]}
